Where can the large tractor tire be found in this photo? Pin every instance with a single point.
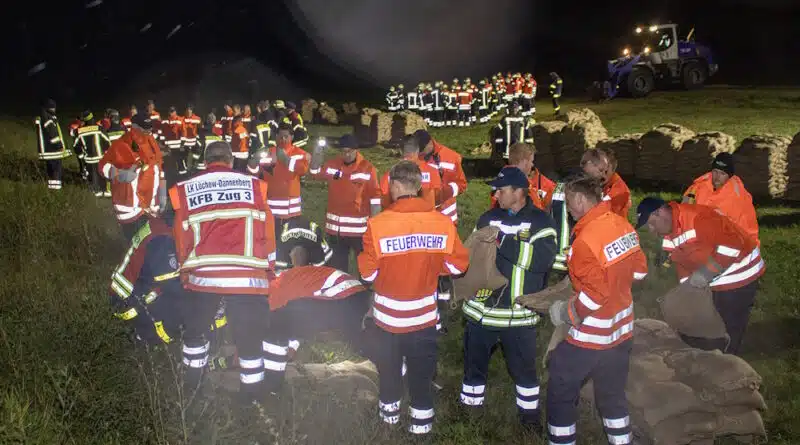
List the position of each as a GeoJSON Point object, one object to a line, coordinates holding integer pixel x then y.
{"type": "Point", "coordinates": [694, 75]}
{"type": "Point", "coordinates": [640, 82]}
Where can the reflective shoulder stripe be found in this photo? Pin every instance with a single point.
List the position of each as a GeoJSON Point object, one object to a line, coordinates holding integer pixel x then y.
{"type": "Point", "coordinates": [167, 276]}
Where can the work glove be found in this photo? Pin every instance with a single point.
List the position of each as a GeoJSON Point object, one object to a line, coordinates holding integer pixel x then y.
{"type": "Point", "coordinates": [558, 313]}
{"type": "Point", "coordinates": [701, 278]}
{"type": "Point", "coordinates": [126, 175]}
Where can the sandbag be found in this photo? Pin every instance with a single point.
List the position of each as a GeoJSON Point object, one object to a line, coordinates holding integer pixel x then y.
{"type": "Point", "coordinates": [690, 311]}
{"type": "Point", "coordinates": [308, 108]}
{"type": "Point", "coordinates": [761, 161]}
{"type": "Point", "coordinates": [694, 158]}
{"type": "Point", "coordinates": [366, 129]}
{"type": "Point", "coordinates": [654, 336]}
{"type": "Point", "coordinates": [327, 114]}
{"type": "Point", "coordinates": [658, 401]}
{"type": "Point", "coordinates": [713, 371]}
{"type": "Point", "coordinates": [482, 272]}
{"type": "Point", "coordinates": [542, 300]}
{"type": "Point", "coordinates": [545, 139]}
{"type": "Point", "coordinates": [658, 155]}
{"type": "Point", "coordinates": [559, 334]}
{"type": "Point", "coordinates": [743, 398]}
{"type": "Point", "coordinates": [685, 428]}
{"type": "Point", "coordinates": [626, 148]}
{"type": "Point", "coordinates": [350, 113]}
{"type": "Point", "coordinates": [741, 422]}
{"type": "Point", "coordinates": [650, 366]}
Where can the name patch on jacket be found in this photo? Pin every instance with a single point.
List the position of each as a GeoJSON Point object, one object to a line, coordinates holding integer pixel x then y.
{"type": "Point", "coordinates": [415, 242]}
{"type": "Point", "coordinates": [426, 177]}
{"type": "Point", "coordinates": [223, 191]}
{"type": "Point", "coordinates": [621, 246]}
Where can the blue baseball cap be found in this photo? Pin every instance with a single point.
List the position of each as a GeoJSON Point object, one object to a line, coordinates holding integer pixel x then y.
{"type": "Point", "coordinates": [348, 141]}
{"type": "Point", "coordinates": [510, 176]}
{"type": "Point", "coordinates": [646, 208]}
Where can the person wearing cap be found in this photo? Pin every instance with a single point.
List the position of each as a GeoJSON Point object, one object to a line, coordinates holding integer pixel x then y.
{"type": "Point", "coordinates": [191, 127]}
{"type": "Point", "coordinates": [293, 118]}
{"type": "Point", "coordinates": [51, 145]}
{"type": "Point", "coordinates": [227, 121]}
{"type": "Point", "coordinates": [529, 96]}
{"type": "Point", "coordinates": [91, 143]}
{"type": "Point", "coordinates": [134, 166]}
{"type": "Point", "coordinates": [601, 164]}
{"type": "Point", "coordinates": [512, 128]}
{"type": "Point", "coordinates": [391, 99]}
{"type": "Point", "coordinates": [521, 155]}
{"type": "Point", "coordinates": [353, 196]}
{"type": "Point", "coordinates": [172, 135]}
{"type": "Point", "coordinates": [155, 120]}
{"type": "Point", "coordinates": [225, 242]}
{"type": "Point", "coordinates": [115, 128]}
{"type": "Point", "coordinates": [722, 189]}
{"type": "Point", "coordinates": [604, 261]}
{"type": "Point", "coordinates": [127, 121]}
{"type": "Point", "coordinates": [526, 250]}
{"type": "Point", "coordinates": [265, 126]}
{"type": "Point", "coordinates": [709, 250]}
{"type": "Point", "coordinates": [209, 133]}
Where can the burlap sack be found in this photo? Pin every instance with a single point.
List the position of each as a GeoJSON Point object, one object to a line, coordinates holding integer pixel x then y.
{"type": "Point", "coordinates": [658, 154]}
{"type": "Point", "coordinates": [744, 398]}
{"type": "Point", "coordinates": [685, 428]}
{"type": "Point", "coordinates": [713, 371]}
{"type": "Point", "coordinates": [482, 272]}
{"type": "Point", "coordinates": [740, 422]}
{"type": "Point", "coordinates": [691, 312]}
{"type": "Point", "coordinates": [658, 401]}
{"type": "Point", "coordinates": [559, 334]}
{"type": "Point", "coordinates": [762, 164]}
{"type": "Point", "coordinates": [695, 157]}
{"type": "Point", "coordinates": [404, 123]}
{"type": "Point", "coordinates": [793, 173]}
{"type": "Point", "coordinates": [582, 132]}
{"type": "Point", "coordinates": [365, 128]}
{"type": "Point", "coordinates": [542, 300]}
{"type": "Point", "coordinates": [650, 366]}
{"type": "Point", "coordinates": [654, 336]}
{"type": "Point", "coordinates": [626, 148]}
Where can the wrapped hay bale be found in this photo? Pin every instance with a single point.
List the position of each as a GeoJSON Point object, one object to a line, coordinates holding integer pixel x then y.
{"type": "Point", "coordinates": [579, 115]}
{"type": "Point", "coordinates": [327, 114]}
{"type": "Point", "coordinates": [691, 312]}
{"type": "Point", "coordinates": [626, 148]}
{"type": "Point", "coordinates": [484, 151]}
{"type": "Point", "coordinates": [545, 139]}
{"type": "Point", "coordinates": [658, 154]}
{"type": "Point", "coordinates": [308, 107]}
{"type": "Point", "coordinates": [581, 133]}
{"type": "Point", "coordinates": [482, 273]}
{"type": "Point", "coordinates": [696, 155]}
{"type": "Point", "coordinates": [405, 123]}
{"type": "Point", "coordinates": [655, 336]}
{"type": "Point", "coordinates": [364, 130]}
{"type": "Point", "coordinates": [761, 162]}
{"type": "Point", "coordinates": [382, 123]}
{"type": "Point", "coordinates": [793, 173]}
{"type": "Point", "coordinates": [713, 371]}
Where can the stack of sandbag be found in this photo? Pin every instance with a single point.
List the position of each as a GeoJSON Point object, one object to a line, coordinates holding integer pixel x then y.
{"type": "Point", "coordinates": [404, 123]}
{"type": "Point", "coordinates": [483, 151]}
{"type": "Point", "coordinates": [694, 158]}
{"type": "Point", "coordinates": [680, 395]}
{"type": "Point", "coordinates": [626, 147]}
{"type": "Point", "coordinates": [658, 155]}
{"type": "Point", "coordinates": [691, 312]}
{"type": "Point", "coordinates": [583, 130]}
{"type": "Point", "coordinates": [762, 163]}
{"type": "Point", "coordinates": [482, 272]}
{"type": "Point", "coordinates": [793, 159]}
{"type": "Point", "coordinates": [308, 108]}
{"type": "Point", "coordinates": [366, 128]}
{"type": "Point", "coordinates": [545, 139]}
{"type": "Point", "coordinates": [327, 114]}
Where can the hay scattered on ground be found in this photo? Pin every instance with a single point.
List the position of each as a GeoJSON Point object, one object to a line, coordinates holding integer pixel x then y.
{"type": "Point", "coordinates": [762, 163]}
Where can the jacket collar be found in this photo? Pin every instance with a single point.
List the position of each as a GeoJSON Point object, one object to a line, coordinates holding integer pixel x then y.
{"type": "Point", "coordinates": [597, 211]}
{"type": "Point", "coordinates": [410, 204]}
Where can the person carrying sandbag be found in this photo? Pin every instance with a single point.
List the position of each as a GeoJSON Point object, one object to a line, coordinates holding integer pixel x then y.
{"type": "Point", "coordinates": [709, 250]}
{"type": "Point", "coordinates": [604, 261]}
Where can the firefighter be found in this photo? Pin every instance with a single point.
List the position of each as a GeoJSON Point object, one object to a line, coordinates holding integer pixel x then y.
{"type": "Point", "coordinates": [281, 167]}
{"type": "Point", "coordinates": [240, 144]}
{"type": "Point", "coordinates": [426, 103]}
{"type": "Point", "coordinates": [172, 135]}
{"type": "Point", "coordinates": [227, 121]}
{"type": "Point", "coordinates": [392, 103]}
{"type": "Point", "coordinates": [115, 129]}
{"type": "Point", "coordinates": [127, 121]}
{"type": "Point", "coordinates": [709, 250]}
{"type": "Point", "coordinates": [353, 196]}
{"type": "Point", "coordinates": [404, 276]}
{"type": "Point", "coordinates": [438, 96]}
{"type": "Point", "coordinates": [300, 133]}
{"type": "Point", "coordinates": [51, 146]}
{"type": "Point", "coordinates": [529, 96]}
{"type": "Point", "coordinates": [248, 120]}
{"type": "Point", "coordinates": [431, 185]}
{"type": "Point", "coordinates": [556, 87]}
{"type": "Point", "coordinates": [519, 84]}
{"type": "Point", "coordinates": [155, 119]}
{"type": "Point", "coordinates": [205, 137]}
{"type": "Point", "coordinates": [526, 249]}
{"type": "Point", "coordinates": [564, 224]}
{"type": "Point", "coordinates": [92, 143]}
{"type": "Point", "coordinates": [80, 155]}
{"type": "Point", "coordinates": [604, 261]}
{"type": "Point", "coordinates": [499, 91]}
{"type": "Point", "coordinates": [401, 97]}
{"type": "Point", "coordinates": [464, 106]}
{"type": "Point", "coordinates": [227, 251]}
{"type": "Point", "coordinates": [540, 187]}
{"type": "Point", "coordinates": [310, 231]}
{"type": "Point", "coordinates": [722, 189]}
{"type": "Point", "coordinates": [134, 166]}
{"type": "Point", "coordinates": [413, 98]}
{"type": "Point", "coordinates": [451, 106]}
{"type": "Point", "coordinates": [508, 93]}
{"type": "Point", "coordinates": [191, 126]}
{"type": "Point", "coordinates": [263, 126]}
{"type": "Point", "coordinates": [105, 122]}
{"type": "Point", "coordinates": [512, 128]}
{"type": "Point", "coordinates": [601, 164]}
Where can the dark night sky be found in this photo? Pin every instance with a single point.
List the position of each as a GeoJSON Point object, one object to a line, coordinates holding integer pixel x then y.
{"type": "Point", "coordinates": [100, 49]}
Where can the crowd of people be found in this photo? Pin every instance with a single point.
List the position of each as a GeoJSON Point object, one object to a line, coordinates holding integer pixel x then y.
{"type": "Point", "coordinates": [465, 104]}
{"type": "Point", "coordinates": [228, 246]}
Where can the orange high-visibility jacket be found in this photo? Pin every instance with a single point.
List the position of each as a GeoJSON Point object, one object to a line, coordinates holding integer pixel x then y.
{"type": "Point", "coordinates": [732, 199]}
{"type": "Point", "coordinates": [454, 182]}
{"type": "Point", "coordinates": [430, 191]}
{"type": "Point", "coordinates": [172, 131]}
{"type": "Point", "coordinates": [314, 282]}
{"type": "Point", "coordinates": [618, 194]}
{"type": "Point", "coordinates": [283, 197]}
{"type": "Point", "coordinates": [240, 142]}
{"type": "Point", "coordinates": [190, 126]}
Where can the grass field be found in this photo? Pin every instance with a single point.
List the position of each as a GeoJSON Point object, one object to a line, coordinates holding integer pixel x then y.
{"type": "Point", "coordinates": [70, 376]}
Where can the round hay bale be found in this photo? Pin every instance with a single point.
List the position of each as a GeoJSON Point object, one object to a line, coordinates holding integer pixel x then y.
{"type": "Point", "coordinates": [308, 107]}
{"type": "Point", "coordinates": [658, 154]}
{"type": "Point", "coordinates": [363, 128]}
{"type": "Point", "coordinates": [762, 163]}
{"type": "Point", "coordinates": [575, 138]}
{"type": "Point", "coordinates": [793, 166]}
{"type": "Point", "coordinates": [545, 139]}
{"type": "Point", "coordinates": [697, 153]}
{"type": "Point", "coordinates": [328, 115]}
{"type": "Point", "coordinates": [405, 123]}
{"type": "Point", "coordinates": [382, 122]}
{"type": "Point", "coordinates": [626, 147]}
{"type": "Point", "coordinates": [483, 151]}
{"type": "Point", "coordinates": [579, 115]}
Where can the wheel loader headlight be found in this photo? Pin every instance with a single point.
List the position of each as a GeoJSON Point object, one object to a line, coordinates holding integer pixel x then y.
{"type": "Point", "coordinates": [653, 28]}
{"type": "Point", "coordinates": [626, 52]}
{"type": "Point", "coordinates": [647, 50]}
{"type": "Point", "coordinates": [638, 30]}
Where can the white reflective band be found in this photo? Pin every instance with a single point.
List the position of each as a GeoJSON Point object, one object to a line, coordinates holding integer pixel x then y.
{"type": "Point", "coordinates": [331, 171]}
{"type": "Point", "coordinates": [197, 363]}
{"type": "Point", "coordinates": [527, 392]}
{"type": "Point", "coordinates": [449, 209]}
{"type": "Point", "coordinates": [588, 302]}
{"type": "Point", "coordinates": [454, 186]}
{"type": "Point", "coordinates": [561, 431]}
{"type": "Point", "coordinates": [525, 404]}
{"type": "Point", "coordinates": [607, 323]}
{"type": "Point", "coordinates": [601, 339]}
{"type": "Point", "coordinates": [346, 219]}
{"type": "Point", "coordinates": [274, 366]}
{"type": "Point", "coordinates": [196, 350]}
{"type": "Point", "coordinates": [471, 401]}
{"type": "Point", "coordinates": [294, 344]}
{"type": "Point", "coordinates": [728, 251]}
{"type": "Point", "coordinates": [684, 237]}
{"type": "Point", "coordinates": [370, 277]}
{"type": "Point", "coordinates": [443, 296]}
{"type": "Point", "coordinates": [314, 171]}
{"type": "Point", "coordinates": [389, 407]}
{"type": "Point", "coordinates": [510, 230]}
{"type": "Point", "coordinates": [251, 378]}
{"type": "Point", "coordinates": [375, 201]}
{"type": "Point", "coordinates": [392, 420]}
{"type": "Point", "coordinates": [406, 322]}
{"type": "Point", "coordinates": [477, 389]}
{"type": "Point", "coordinates": [624, 439]}
{"type": "Point", "coordinates": [420, 429]}
{"type": "Point", "coordinates": [364, 176]}
{"type": "Point", "coordinates": [293, 161]}
{"type": "Point", "coordinates": [273, 349]}
{"type": "Point", "coordinates": [453, 269]}
{"type": "Point", "coordinates": [332, 278]}
{"type": "Point", "coordinates": [252, 363]}
{"type": "Point", "coordinates": [639, 275]}
{"type": "Point", "coordinates": [410, 305]}
{"type": "Point", "coordinates": [420, 414]}
{"type": "Point", "coordinates": [240, 282]}
{"type": "Point", "coordinates": [447, 165]}
{"type": "Point", "coordinates": [737, 277]}
{"type": "Point", "coordinates": [606, 198]}
{"type": "Point", "coordinates": [617, 423]}
{"type": "Point", "coordinates": [241, 154]}
{"type": "Point", "coordinates": [344, 229]}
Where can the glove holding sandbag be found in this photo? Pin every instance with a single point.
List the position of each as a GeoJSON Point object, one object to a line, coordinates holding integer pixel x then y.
{"type": "Point", "coordinates": [702, 277]}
